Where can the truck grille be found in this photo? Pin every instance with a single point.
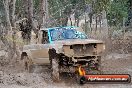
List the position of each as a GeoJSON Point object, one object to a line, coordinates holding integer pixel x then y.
{"type": "Point", "coordinates": [84, 49]}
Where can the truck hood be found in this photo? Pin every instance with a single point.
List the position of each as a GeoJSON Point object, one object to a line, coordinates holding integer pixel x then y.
{"type": "Point", "coordinates": [77, 41]}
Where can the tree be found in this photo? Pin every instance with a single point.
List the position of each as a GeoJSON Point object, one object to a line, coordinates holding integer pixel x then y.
{"type": "Point", "coordinates": [60, 11]}
{"type": "Point", "coordinates": [116, 12]}
{"type": "Point", "coordinates": [9, 29]}
{"type": "Point", "coordinates": [129, 9]}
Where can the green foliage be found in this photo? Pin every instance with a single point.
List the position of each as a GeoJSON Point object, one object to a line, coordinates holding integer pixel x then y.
{"type": "Point", "coordinates": [98, 5]}
{"type": "Point", "coordinates": [117, 11]}
{"type": "Point", "coordinates": [20, 11]}
{"type": "Point", "coordinates": [36, 5]}
{"type": "Point", "coordinates": [61, 9]}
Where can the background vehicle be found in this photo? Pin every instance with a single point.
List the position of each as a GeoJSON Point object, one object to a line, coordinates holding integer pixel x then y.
{"type": "Point", "coordinates": [66, 50]}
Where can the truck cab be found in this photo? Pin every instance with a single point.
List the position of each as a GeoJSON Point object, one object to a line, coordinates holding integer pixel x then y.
{"type": "Point", "coordinates": [50, 35]}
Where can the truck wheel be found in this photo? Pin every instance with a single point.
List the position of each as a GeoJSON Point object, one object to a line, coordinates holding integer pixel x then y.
{"type": "Point", "coordinates": [97, 66]}
{"type": "Point", "coordinates": [80, 79]}
{"type": "Point", "coordinates": [54, 65]}
{"type": "Point", "coordinates": [27, 66]}
{"type": "Point", "coordinates": [55, 70]}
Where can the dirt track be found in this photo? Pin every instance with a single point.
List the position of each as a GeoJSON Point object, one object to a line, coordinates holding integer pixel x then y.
{"type": "Point", "coordinates": [113, 63]}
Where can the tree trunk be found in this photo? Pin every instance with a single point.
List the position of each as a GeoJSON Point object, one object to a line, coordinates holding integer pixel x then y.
{"type": "Point", "coordinates": [90, 20]}
{"type": "Point", "coordinates": [44, 10]}
{"type": "Point", "coordinates": [77, 22]}
{"type": "Point", "coordinates": [105, 25]}
{"type": "Point", "coordinates": [29, 23]}
{"type": "Point", "coordinates": [70, 20]}
{"type": "Point", "coordinates": [86, 28]}
{"type": "Point", "coordinates": [12, 15]}
{"type": "Point", "coordinates": [11, 45]}
{"type": "Point", "coordinates": [100, 22]}
{"type": "Point", "coordinates": [30, 14]}
{"type": "Point", "coordinates": [6, 6]}
{"type": "Point", "coordinates": [107, 31]}
{"type": "Point", "coordinates": [96, 25]}
{"type": "Point", "coordinates": [64, 21]}
{"type": "Point", "coordinates": [14, 35]}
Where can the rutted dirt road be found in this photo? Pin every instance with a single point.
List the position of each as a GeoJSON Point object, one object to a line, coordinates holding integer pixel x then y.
{"type": "Point", "coordinates": [113, 63]}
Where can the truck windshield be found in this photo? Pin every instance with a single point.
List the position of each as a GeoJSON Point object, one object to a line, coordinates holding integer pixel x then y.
{"type": "Point", "coordinates": [66, 33]}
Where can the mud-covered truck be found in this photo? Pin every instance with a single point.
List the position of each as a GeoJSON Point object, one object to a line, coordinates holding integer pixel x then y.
{"type": "Point", "coordinates": [66, 50]}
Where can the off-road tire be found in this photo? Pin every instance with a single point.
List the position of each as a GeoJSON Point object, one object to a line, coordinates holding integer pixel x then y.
{"type": "Point", "coordinates": [98, 69]}
{"type": "Point", "coordinates": [27, 65]}
{"type": "Point", "coordinates": [54, 59]}
{"type": "Point", "coordinates": [55, 70]}
{"type": "Point", "coordinates": [80, 79]}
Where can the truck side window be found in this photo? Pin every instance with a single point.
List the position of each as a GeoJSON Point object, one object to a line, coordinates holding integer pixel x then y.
{"type": "Point", "coordinates": [45, 37]}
